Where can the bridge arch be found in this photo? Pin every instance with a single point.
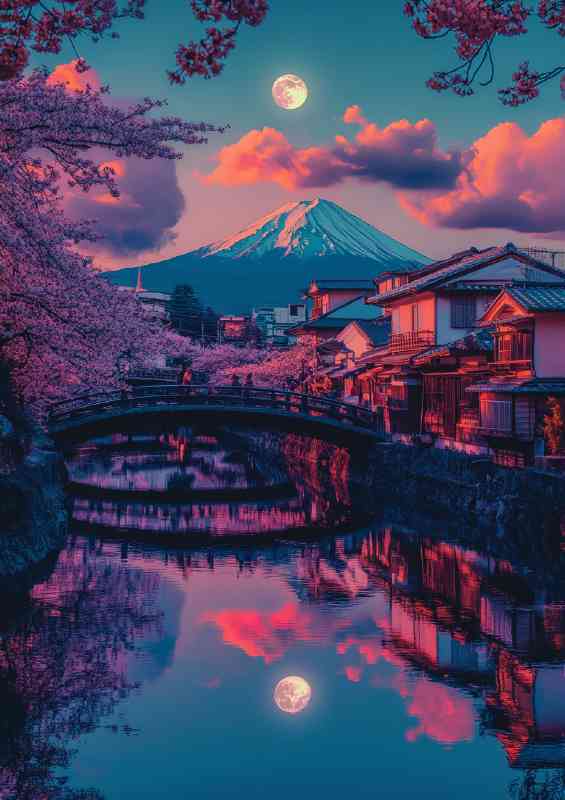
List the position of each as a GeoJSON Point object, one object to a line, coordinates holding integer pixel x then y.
{"type": "Point", "coordinates": [96, 414]}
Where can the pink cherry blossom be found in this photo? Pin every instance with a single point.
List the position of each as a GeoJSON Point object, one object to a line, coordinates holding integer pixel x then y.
{"type": "Point", "coordinates": [475, 26]}
{"type": "Point", "coordinates": [46, 26]}
{"type": "Point", "coordinates": [63, 328]}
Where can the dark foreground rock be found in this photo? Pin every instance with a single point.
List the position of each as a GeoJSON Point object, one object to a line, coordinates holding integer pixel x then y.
{"type": "Point", "coordinates": [33, 518]}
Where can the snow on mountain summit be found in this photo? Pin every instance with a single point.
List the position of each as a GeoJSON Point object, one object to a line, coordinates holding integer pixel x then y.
{"type": "Point", "coordinates": [310, 229]}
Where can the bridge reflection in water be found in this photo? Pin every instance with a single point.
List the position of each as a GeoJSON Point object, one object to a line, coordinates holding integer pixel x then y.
{"type": "Point", "coordinates": [188, 483]}
{"type": "Point", "coordinates": [437, 667]}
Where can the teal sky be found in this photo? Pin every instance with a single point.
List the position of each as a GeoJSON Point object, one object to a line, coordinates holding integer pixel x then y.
{"type": "Point", "coordinates": [368, 57]}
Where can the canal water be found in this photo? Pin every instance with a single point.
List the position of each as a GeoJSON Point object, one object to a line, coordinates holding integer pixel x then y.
{"type": "Point", "coordinates": [145, 659]}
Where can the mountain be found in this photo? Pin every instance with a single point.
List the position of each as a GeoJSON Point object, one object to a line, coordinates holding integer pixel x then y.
{"type": "Point", "coordinates": [272, 260]}
{"type": "Point", "coordinates": [312, 229]}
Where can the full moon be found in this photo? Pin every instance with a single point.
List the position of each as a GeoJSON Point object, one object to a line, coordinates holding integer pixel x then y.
{"type": "Point", "coordinates": [290, 92]}
{"type": "Point", "coordinates": [292, 694]}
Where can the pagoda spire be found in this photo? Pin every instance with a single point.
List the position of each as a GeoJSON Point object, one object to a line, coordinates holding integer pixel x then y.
{"type": "Point", "coordinates": [139, 285]}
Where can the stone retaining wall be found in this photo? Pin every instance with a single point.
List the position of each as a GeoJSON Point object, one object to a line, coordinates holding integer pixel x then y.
{"type": "Point", "coordinates": [480, 493]}
{"type": "Point", "coordinates": [33, 517]}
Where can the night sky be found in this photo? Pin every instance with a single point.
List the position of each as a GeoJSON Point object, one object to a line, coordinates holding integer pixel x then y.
{"type": "Point", "coordinates": [371, 59]}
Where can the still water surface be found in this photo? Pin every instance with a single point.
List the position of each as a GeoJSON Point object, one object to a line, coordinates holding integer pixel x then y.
{"type": "Point", "coordinates": [142, 670]}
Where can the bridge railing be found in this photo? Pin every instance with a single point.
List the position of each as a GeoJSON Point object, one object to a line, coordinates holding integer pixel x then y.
{"type": "Point", "coordinates": [83, 406]}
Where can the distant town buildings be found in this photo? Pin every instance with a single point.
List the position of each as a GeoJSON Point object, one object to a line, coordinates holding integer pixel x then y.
{"type": "Point", "coordinates": [275, 322]}
{"type": "Point", "coordinates": [237, 329]}
{"type": "Point", "coordinates": [154, 304]}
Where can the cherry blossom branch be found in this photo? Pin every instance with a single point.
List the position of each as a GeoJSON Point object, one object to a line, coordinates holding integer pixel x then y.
{"type": "Point", "coordinates": [475, 26]}
{"type": "Point", "coordinates": [43, 26]}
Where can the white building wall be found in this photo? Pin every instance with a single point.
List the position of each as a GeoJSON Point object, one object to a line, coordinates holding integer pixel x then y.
{"type": "Point", "coordinates": [549, 346]}
{"type": "Point", "coordinates": [402, 315]}
{"type": "Point", "coordinates": [354, 340]}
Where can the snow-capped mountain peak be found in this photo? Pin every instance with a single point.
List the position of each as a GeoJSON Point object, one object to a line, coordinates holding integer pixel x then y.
{"type": "Point", "coordinates": [310, 229]}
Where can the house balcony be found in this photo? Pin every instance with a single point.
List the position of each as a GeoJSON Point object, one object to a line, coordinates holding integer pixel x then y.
{"type": "Point", "coordinates": [513, 365]}
{"type": "Point", "coordinates": [411, 341]}
{"type": "Point", "coordinates": [513, 351]}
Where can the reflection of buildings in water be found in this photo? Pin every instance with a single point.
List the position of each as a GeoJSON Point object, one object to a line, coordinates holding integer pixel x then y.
{"type": "Point", "coordinates": [455, 625]}
{"type": "Point", "coordinates": [320, 467]}
{"type": "Point", "coordinates": [462, 616]}
{"type": "Point", "coordinates": [528, 711]}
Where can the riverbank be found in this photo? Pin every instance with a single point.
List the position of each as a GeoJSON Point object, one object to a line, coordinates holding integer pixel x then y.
{"type": "Point", "coordinates": [522, 503]}
{"type": "Point", "coordinates": [33, 516]}
{"type": "Point", "coordinates": [477, 491]}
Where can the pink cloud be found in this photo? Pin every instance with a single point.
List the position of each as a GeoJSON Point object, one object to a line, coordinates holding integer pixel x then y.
{"type": "Point", "coordinates": [74, 79]}
{"type": "Point", "coordinates": [353, 674]}
{"type": "Point", "coordinates": [444, 714]}
{"type": "Point", "coordinates": [142, 218]}
{"type": "Point", "coordinates": [505, 179]}
{"type": "Point", "coordinates": [511, 180]}
{"type": "Point", "coordinates": [263, 635]}
{"type": "Point", "coordinates": [403, 155]}
{"type": "Point", "coordinates": [150, 204]}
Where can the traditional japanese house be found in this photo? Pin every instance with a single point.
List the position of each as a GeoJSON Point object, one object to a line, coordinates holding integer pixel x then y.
{"type": "Point", "coordinates": [365, 339]}
{"type": "Point", "coordinates": [519, 409]}
{"type": "Point", "coordinates": [326, 295]}
{"type": "Point", "coordinates": [449, 415]}
{"type": "Point", "coordinates": [331, 356]}
{"type": "Point", "coordinates": [327, 326]}
{"type": "Point", "coordinates": [436, 306]}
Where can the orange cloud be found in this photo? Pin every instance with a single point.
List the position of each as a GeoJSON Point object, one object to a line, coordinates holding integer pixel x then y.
{"type": "Point", "coordinates": [511, 180]}
{"type": "Point", "coordinates": [505, 179]}
{"type": "Point", "coordinates": [68, 75]}
{"type": "Point", "coordinates": [353, 114]}
{"type": "Point", "coordinates": [404, 155]}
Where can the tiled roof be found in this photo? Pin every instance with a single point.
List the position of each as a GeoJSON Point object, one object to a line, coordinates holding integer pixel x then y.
{"type": "Point", "coordinates": [324, 323]}
{"type": "Point", "coordinates": [476, 342]}
{"type": "Point", "coordinates": [477, 286]}
{"type": "Point", "coordinates": [343, 284]}
{"type": "Point", "coordinates": [377, 332]}
{"type": "Point", "coordinates": [340, 316]}
{"type": "Point", "coordinates": [539, 297]}
{"type": "Point", "coordinates": [522, 386]}
{"type": "Point", "coordinates": [432, 276]}
{"type": "Point", "coordinates": [332, 346]}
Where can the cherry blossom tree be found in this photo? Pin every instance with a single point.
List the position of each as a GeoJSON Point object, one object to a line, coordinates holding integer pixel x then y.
{"type": "Point", "coordinates": [475, 26]}
{"type": "Point", "coordinates": [269, 368]}
{"type": "Point", "coordinates": [277, 369]}
{"type": "Point", "coordinates": [44, 26]}
{"type": "Point", "coordinates": [62, 326]}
